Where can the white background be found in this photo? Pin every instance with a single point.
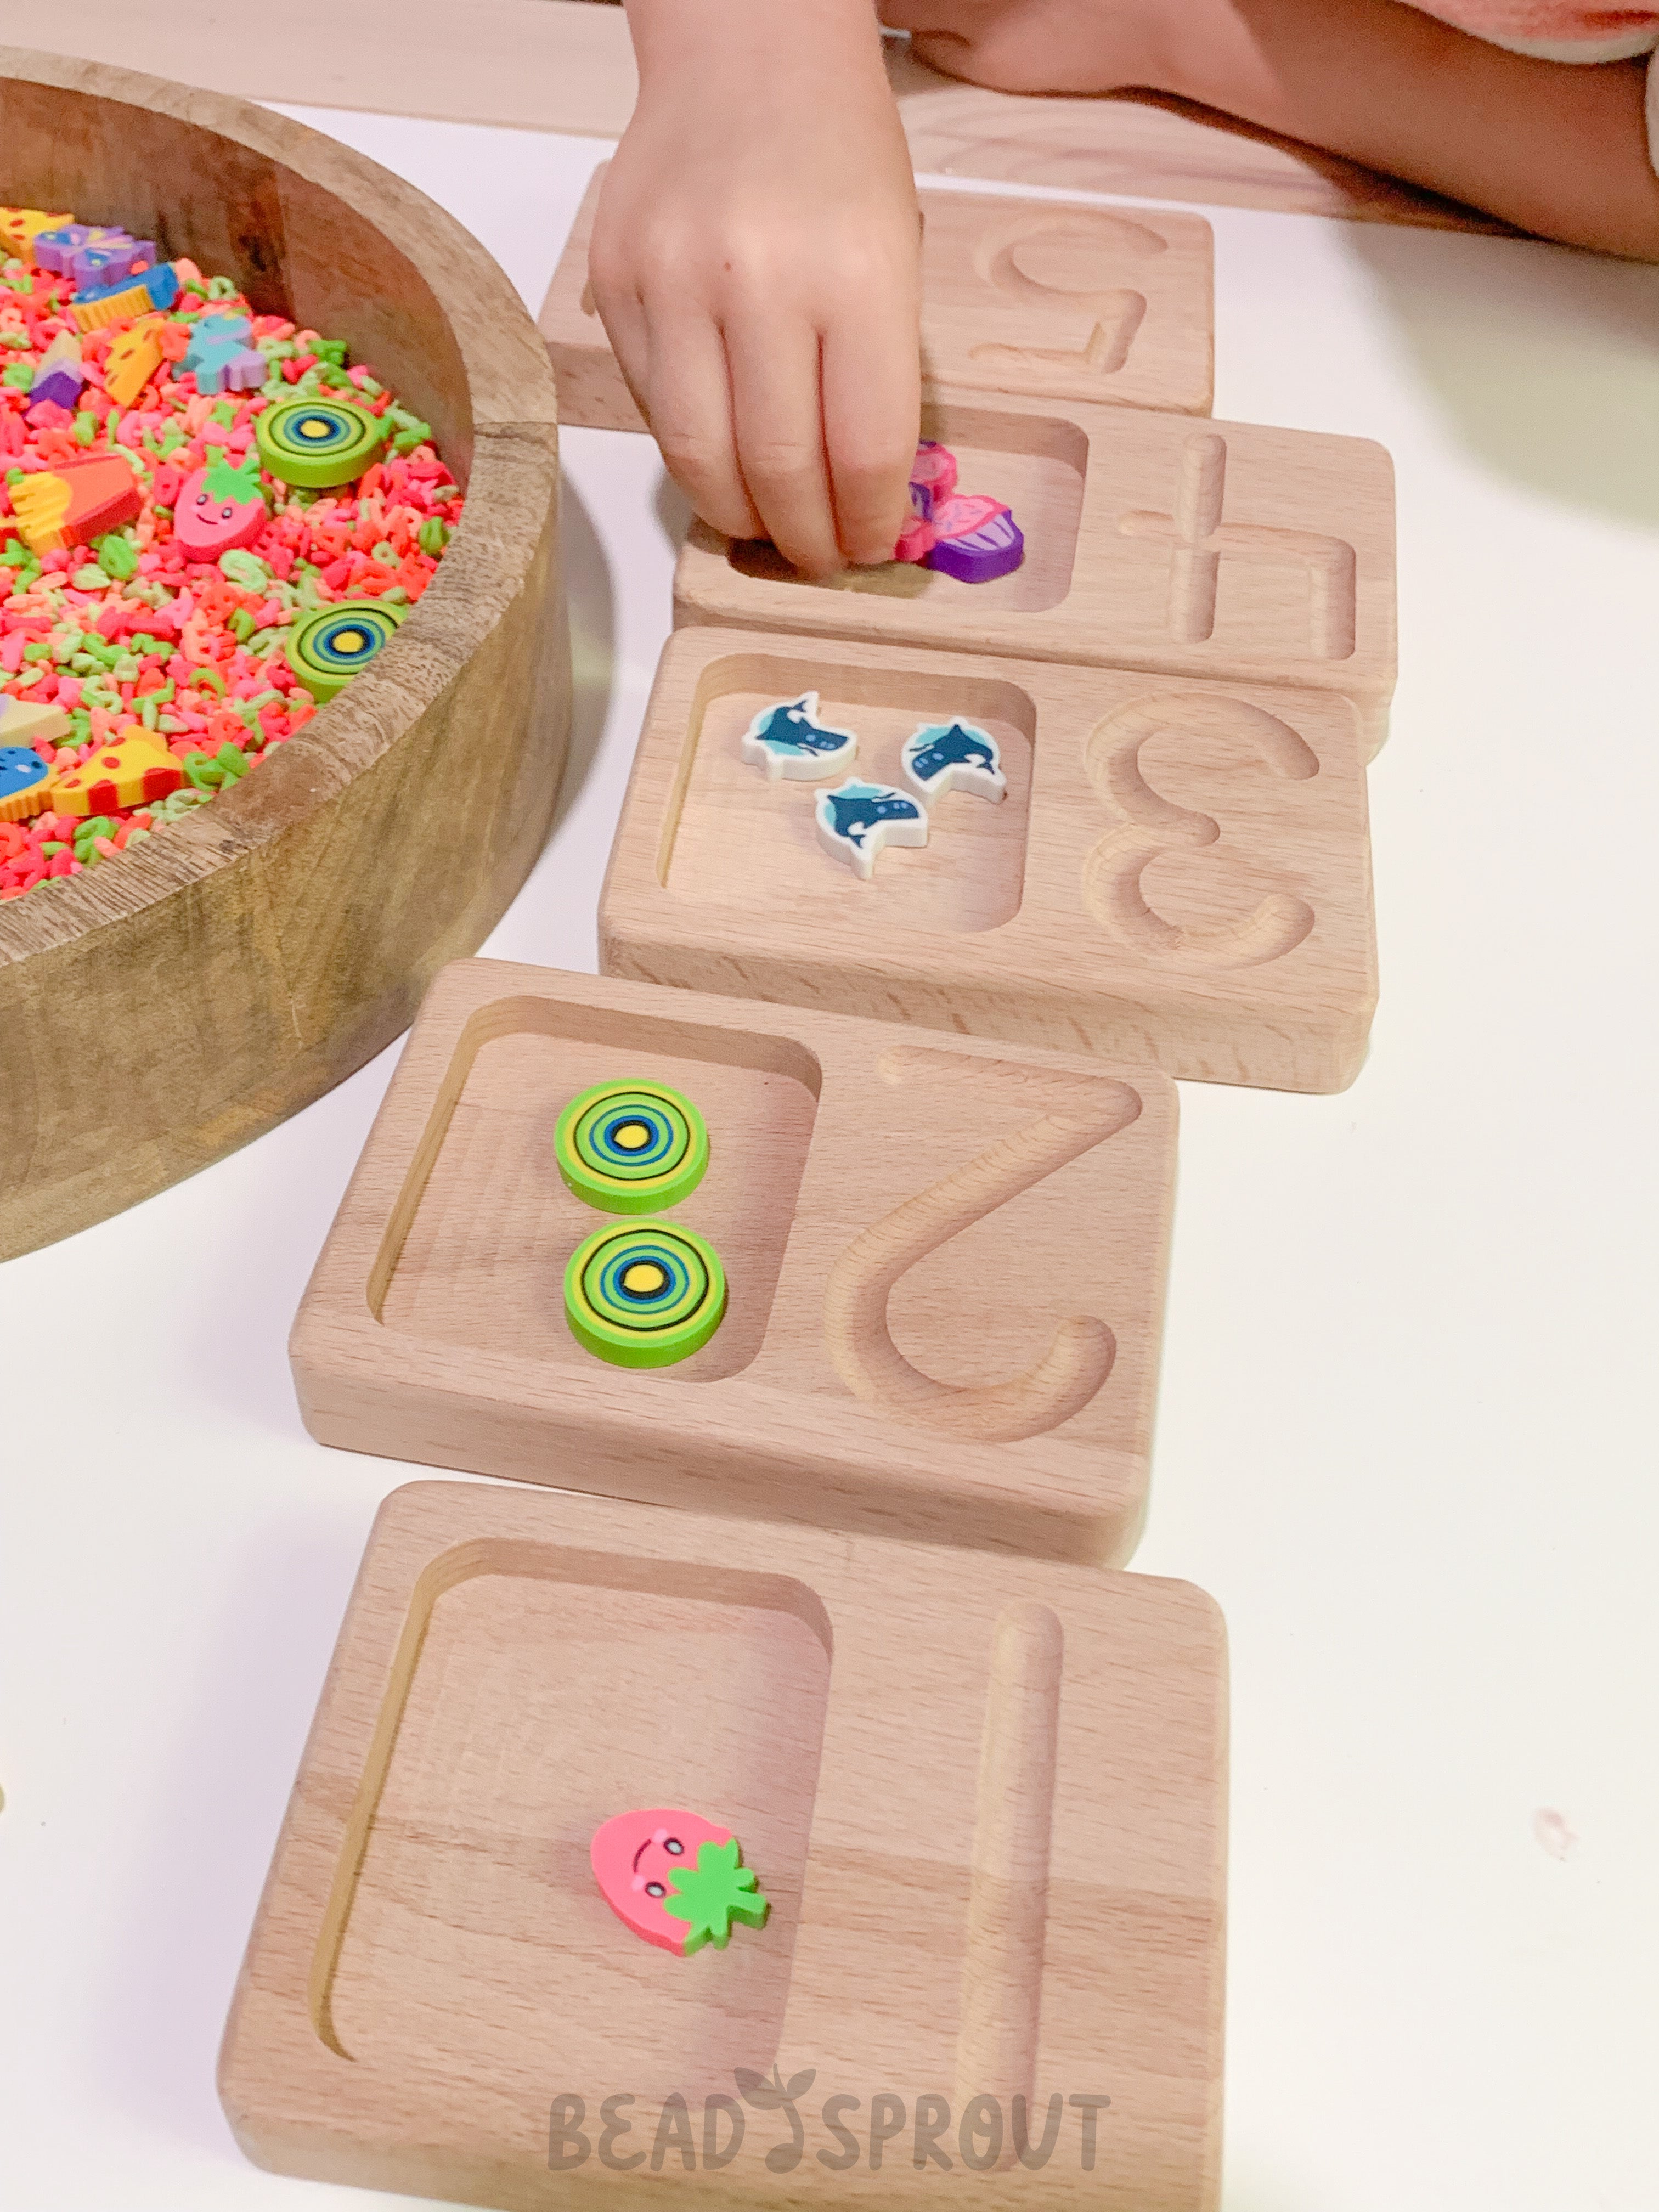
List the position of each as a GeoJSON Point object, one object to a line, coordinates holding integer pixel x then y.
{"type": "Point", "coordinates": [1407, 1426]}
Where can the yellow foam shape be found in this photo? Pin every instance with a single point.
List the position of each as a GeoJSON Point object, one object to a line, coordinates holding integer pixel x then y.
{"type": "Point", "coordinates": [94, 314]}
{"type": "Point", "coordinates": [40, 503]}
{"type": "Point", "coordinates": [20, 227]}
{"type": "Point", "coordinates": [34, 800]}
{"type": "Point", "coordinates": [133, 360]}
{"type": "Point", "coordinates": [24, 723]}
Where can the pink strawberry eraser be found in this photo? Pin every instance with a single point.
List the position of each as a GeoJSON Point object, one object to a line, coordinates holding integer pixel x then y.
{"type": "Point", "coordinates": [676, 1879]}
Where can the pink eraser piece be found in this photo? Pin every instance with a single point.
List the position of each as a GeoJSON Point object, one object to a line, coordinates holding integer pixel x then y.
{"type": "Point", "coordinates": [934, 472]}
{"type": "Point", "coordinates": [635, 1857]}
{"type": "Point", "coordinates": [916, 540]}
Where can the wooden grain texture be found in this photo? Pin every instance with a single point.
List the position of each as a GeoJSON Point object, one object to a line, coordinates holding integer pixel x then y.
{"type": "Point", "coordinates": [559, 65]}
{"type": "Point", "coordinates": [907, 1748]}
{"type": "Point", "coordinates": [946, 1264]}
{"type": "Point", "coordinates": [164, 1009]}
{"type": "Point", "coordinates": [1220, 550]}
{"type": "Point", "coordinates": [567, 65]}
{"type": "Point", "coordinates": [1180, 872]}
{"type": "Point", "coordinates": [1111, 306]}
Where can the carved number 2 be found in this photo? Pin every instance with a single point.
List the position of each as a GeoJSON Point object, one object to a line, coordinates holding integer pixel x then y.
{"type": "Point", "coordinates": [860, 1343]}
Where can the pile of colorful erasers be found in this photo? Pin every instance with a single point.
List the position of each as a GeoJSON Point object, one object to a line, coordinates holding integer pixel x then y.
{"type": "Point", "coordinates": [209, 522]}
{"type": "Point", "coordinates": [856, 819]}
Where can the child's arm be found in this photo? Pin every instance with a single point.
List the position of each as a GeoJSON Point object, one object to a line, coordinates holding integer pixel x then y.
{"type": "Point", "coordinates": [755, 260]}
{"type": "Point", "coordinates": [1559, 148]}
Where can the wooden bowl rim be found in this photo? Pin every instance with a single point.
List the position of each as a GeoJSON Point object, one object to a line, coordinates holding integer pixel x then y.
{"type": "Point", "coordinates": [514, 443]}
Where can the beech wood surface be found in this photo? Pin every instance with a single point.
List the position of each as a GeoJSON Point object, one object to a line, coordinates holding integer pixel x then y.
{"type": "Point", "coordinates": [567, 65]}
{"type": "Point", "coordinates": [1222, 551]}
{"type": "Point", "coordinates": [986, 1799]}
{"type": "Point", "coordinates": [946, 1263]}
{"type": "Point", "coordinates": [1180, 872]}
{"type": "Point", "coordinates": [1112, 306]}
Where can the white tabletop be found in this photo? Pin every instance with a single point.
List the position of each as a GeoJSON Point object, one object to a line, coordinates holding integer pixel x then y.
{"type": "Point", "coordinates": [1407, 1424]}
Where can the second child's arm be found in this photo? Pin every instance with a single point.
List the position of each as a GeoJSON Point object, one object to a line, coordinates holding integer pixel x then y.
{"type": "Point", "coordinates": [755, 260]}
{"type": "Point", "coordinates": [1559, 148]}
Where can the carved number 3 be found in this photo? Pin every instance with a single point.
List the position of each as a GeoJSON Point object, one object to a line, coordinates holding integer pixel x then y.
{"type": "Point", "coordinates": [1150, 825]}
{"type": "Point", "coordinates": [860, 1343]}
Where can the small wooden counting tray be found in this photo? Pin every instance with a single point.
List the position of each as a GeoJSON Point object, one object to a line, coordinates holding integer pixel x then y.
{"type": "Point", "coordinates": [1214, 550]}
{"type": "Point", "coordinates": [985, 1798]}
{"type": "Point", "coordinates": [945, 1261]}
{"type": "Point", "coordinates": [1180, 872]}
{"type": "Point", "coordinates": [1107, 305]}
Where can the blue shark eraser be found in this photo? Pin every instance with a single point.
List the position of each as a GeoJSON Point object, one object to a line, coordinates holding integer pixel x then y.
{"type": "Point", "coordinates": [943, 756]}
{"type": "Point", "coordinates": [789, 740]}
{"type": "Point", "coordinates": [856, 819]}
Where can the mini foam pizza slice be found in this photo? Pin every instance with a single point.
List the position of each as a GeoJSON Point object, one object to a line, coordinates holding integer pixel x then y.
{"type": "Point", "coordinates": [133, 769]}
{"type": "Point", "coordinates": [75, 502]}
{"type": "Point", "coordinates": [20, 227]}
{"type": "Point", "coordinates": [133, 360]}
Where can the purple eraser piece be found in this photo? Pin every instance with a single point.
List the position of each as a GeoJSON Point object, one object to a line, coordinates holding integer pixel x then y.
{"type": "Point", "coordinates": [61, 385]}
{"type": "Point", "coordinates": [54, 250]}
{"type": "Point", "coordinates": [108, 261]}
{"type": "Point", "coordinates": [100, 246]}
{"type": "Point", "coordinates": [994, 550]}
{"type": "Point", "coordinates": [247, 372]}
{"type": "Point", "coordinates": [58, 376]}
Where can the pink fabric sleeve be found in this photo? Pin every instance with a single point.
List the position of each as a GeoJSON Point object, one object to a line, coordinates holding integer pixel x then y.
{"type": "Point", "coordinates": [1552, 22]}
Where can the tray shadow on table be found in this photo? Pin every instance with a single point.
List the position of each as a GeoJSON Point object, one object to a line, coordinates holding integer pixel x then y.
{"type": "Point", "coordinates": [591, 598]}
{"type": "Point", "coordinates": [191, 1875]}
{"type": "Point", "coordinates": [1540, 357]}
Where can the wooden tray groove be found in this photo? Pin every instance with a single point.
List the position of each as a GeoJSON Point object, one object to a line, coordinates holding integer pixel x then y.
{"type": "Point", "coordinates": [986, 1798]}
{"type": "Point", "coordinates": [1224, 552]}
{"type": "Point", "coordinates": [1180, 872]}
{"type": "Point", "coordinates": [946, 1261]}
{"type": "Point", "coordinates": [1113, 307]}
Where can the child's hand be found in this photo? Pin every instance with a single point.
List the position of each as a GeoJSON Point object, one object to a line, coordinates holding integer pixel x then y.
{"type": "Point", "coordinates": [755, 260]}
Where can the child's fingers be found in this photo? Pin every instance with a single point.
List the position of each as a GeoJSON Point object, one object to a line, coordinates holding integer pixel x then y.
{"type": "Point", "coordinates": [871, 417]}
{"type": "Point", "coordinates": [777, 406]}
{"type": "Point", "coordinates": [623, 313]}
{"type": "Point", "coordinates": [689, 406]}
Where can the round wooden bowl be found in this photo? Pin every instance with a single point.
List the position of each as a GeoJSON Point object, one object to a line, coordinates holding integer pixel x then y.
{"type": "Point", "coordinates": [159, 1010]}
